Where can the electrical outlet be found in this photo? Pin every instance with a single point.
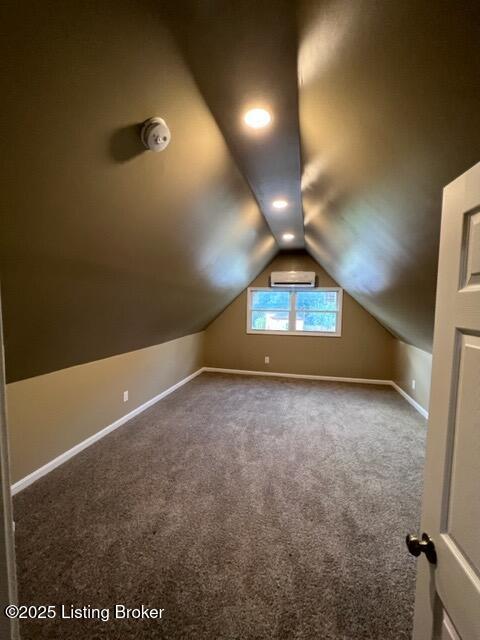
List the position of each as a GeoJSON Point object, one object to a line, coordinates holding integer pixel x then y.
{"type": "Point", "coordinates": [125, 396]}
{"type": "Point", "coordinates": [267, 359]}
{"type": "Point", "coordinates": [413, 384]}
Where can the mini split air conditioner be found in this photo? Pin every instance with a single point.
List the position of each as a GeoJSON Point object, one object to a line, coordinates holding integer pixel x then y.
{"type": "Point", "coordinates": [300, 279]}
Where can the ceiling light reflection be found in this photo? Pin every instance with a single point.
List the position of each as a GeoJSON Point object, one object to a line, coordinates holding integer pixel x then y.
{"type": "Point", "coordinates": [257, 118]}
{"type": "Point", "coordinates": [280, 204]}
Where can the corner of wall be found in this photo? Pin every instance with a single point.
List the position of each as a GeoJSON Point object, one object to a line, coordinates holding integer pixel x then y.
{"type": "Point", "coordinates": [412, 371]}
{"type": "Point", "coordinates": [364, 350]}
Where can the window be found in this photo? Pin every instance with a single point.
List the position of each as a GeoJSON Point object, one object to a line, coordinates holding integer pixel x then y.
{"type": "Point", "coordinates": [314, 312]}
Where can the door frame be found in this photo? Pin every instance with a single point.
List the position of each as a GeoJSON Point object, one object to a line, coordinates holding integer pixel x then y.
{"type": "Point", "coordinates": [432, 618]}
{"type": "Point", "coordinates": [8, 580]}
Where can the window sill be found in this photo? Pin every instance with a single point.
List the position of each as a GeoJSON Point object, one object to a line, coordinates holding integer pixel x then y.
{"type": "Point", "coordinates": [303, 334]}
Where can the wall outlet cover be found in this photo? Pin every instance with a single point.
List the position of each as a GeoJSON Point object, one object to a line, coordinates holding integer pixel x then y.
{"type": "Point", "coordinates": [125, 396]}
{"type": "Point", "coordinates": [267, 359]}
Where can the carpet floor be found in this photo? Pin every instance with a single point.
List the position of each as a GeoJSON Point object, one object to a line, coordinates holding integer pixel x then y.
{"type": "Point", "coordinates": [245, 507]}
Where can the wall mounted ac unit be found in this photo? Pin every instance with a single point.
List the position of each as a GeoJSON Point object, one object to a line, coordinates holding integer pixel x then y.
{"type": "Point", "coordinates": [301, 279]}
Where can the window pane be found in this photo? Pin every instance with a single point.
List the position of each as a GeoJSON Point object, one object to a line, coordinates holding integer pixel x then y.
{"type": "Point", "coordinates": [271, 300]}
{"type": "Point", "coordinates": [315, 321]}
{"type": "Point", "coordinates": [317, 300]}
{"type": "Point", "coordinates": [270, 320]}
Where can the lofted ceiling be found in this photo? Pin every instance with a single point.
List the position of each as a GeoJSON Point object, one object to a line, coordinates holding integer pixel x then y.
{"type": "Point", "coordinates": [388, 113]}
{"type": "Point", "coordinates": [107, 248]}
{"type": "Point", "coordinates": [243, 54]}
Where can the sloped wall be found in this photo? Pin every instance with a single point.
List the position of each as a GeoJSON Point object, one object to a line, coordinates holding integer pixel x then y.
{"type": "Point", "coordinates": [105, 247]}
{"type": "Point", "coordinates": [389, 112]}
{"type": "Point", "coordinates": [365, 349]}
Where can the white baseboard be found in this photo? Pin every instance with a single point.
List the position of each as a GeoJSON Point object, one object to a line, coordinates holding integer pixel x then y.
{"type": "Point", "coordinates": [410, 400]}
{"type": "Point", "coordinates": [56, 462]}
{"type": "Point", "coordinates": [303, 376]}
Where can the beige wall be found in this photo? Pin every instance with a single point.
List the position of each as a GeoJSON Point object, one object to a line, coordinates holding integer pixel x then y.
{"type": "Point", "coordinates": [365, 349]}
{"type": "Point", "coordinates": [51, 413]}
{"type": "Point", "coordinates": [411, 363]}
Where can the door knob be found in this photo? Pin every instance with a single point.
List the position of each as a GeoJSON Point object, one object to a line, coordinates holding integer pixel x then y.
{"type": "Point", "coordinates": [425, 545]}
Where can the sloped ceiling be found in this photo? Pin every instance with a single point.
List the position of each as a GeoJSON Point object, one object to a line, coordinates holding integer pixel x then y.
{"type": "Point", "coordinates": [106, 247]}
{"type": "Point", "coordinates": [389, 114]}
{"type": "Point", "coordinates": [243, 54]}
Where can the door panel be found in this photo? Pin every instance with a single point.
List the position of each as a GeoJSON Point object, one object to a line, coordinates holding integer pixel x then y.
{"type": "Point", "coordinates": [464, 505]}
{"type": "Point", "coordinates": [472, 249]}
{"type": "Point", "coordinates": [451, 505]}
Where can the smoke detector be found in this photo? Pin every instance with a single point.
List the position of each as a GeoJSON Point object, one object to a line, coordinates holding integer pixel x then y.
{"type": "Point", "coordinates": [155, 134]}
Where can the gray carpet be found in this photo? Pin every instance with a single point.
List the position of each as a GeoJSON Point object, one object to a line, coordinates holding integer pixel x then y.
{"type": "Point", "coordinates": [246, 507]}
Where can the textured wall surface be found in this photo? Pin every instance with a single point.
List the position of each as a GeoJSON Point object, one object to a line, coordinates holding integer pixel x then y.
{"type": "Point", "coordinates": [51, 413]}
{"type": "Point", "coordinates": [365, 349]}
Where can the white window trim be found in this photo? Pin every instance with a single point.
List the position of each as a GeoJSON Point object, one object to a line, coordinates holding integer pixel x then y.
{"type": "Point", "coordinates": [292, 332]}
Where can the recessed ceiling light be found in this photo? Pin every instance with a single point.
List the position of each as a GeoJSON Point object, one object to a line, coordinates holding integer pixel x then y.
{"type": "Point", "coordinates": [280, 204]}
{"type": "Point", "coordinates": [288, 236]}
{"type": "Point", "coordinates": [257, 118]}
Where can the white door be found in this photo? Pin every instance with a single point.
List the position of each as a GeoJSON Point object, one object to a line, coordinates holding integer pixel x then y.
{"type": "Point", "coordinates": [447, 601]}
